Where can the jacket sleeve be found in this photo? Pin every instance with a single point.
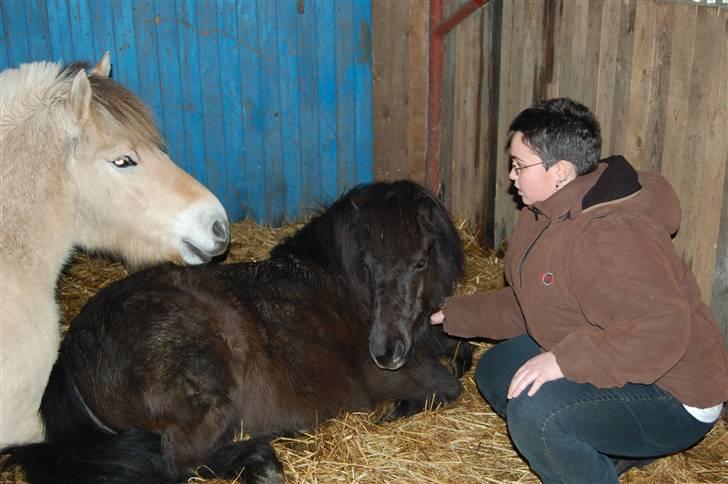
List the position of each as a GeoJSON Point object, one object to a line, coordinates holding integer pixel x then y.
{"type": "Point", "coordinates": [626, 276]}
{"type": "Point", "coordinates": [496, 315]}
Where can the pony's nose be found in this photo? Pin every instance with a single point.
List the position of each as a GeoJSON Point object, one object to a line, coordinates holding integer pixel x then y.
{"type": "Point", "coordinates": [220, 230]}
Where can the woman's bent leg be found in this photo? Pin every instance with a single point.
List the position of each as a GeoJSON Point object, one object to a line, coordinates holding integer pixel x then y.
{"type": "Point", "coordinates": [497, 366]}
{"type": "Point", "coordinates": [567, 430]}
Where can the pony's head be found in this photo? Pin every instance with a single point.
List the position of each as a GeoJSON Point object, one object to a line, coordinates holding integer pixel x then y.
{"type": "Point", "coordinates": [130, 199]}
{"type": "Point", "coordinates": [407, 252]}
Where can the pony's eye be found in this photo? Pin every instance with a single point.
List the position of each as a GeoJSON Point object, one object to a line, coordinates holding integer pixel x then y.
{"type": "Point", "coordinates": [125, 161]}
{"type": "Point", "coordinates": [421, 264]}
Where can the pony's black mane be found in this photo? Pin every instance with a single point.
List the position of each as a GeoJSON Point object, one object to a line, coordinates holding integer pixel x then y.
{"type": "Point", "coordinates": [329, 241]}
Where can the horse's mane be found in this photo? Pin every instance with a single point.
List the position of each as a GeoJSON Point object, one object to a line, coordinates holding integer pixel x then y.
{"type": "Point", "coordinates": [379, 206]}
{"type": "Point", "coordinates": [31, 87]}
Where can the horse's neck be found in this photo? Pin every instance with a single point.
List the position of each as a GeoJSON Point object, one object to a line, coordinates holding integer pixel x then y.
{"type": "Point", "coordinates": [37, 206]}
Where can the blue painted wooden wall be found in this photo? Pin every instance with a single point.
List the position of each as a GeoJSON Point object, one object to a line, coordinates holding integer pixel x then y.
{"type": "Point", "coordinates": [267, 102]}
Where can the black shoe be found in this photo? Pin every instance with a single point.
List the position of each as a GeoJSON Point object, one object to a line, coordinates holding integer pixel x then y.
{"type": "Point", "coordinates": [624, 465]}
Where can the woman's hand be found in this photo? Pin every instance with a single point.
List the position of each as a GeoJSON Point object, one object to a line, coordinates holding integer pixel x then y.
{"type": "Point", "coordinates": [536, 371]}
{"type": "Point", "coordinates": [437, 318]}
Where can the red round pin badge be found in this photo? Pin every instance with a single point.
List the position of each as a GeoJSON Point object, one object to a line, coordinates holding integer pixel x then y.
{"type": "Point", "coordinates": [548, 278]}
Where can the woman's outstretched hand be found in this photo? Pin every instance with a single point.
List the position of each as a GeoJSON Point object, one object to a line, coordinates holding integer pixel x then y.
{"type": "Point", "coordinates": [535, 372]}
{"type": "Point", "coordinates": [437, 318]}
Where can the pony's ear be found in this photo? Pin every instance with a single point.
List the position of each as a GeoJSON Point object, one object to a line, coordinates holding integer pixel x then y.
{"type": "Point", "coordinates": [103, 68]}
{"type": "Point", "coordinates": [81, 96]}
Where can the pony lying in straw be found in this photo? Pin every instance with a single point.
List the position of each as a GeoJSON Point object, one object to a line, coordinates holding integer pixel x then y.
{"type": "Point", "coordinates": [82, 165]}
{"type": "Point", "coordinates": [160, 370]}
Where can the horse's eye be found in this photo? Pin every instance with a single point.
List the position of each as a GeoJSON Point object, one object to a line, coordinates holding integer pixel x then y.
{"type": "Point", "coordinates": [125, 161]}
{"type": "Point", "coordinates": [421, 264]}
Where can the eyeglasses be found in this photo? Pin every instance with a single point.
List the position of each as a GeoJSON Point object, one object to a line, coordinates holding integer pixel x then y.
{"type": "Point", "coordinates": [518, 169]}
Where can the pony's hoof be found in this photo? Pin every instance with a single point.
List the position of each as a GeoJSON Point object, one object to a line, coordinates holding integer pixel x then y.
{"type": "Point", "coordinates": [270, 475]}
{"type": "Point", "coordinates": [383, 413]}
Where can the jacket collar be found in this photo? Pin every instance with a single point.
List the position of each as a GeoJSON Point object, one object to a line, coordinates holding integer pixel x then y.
{"type": "Point", "coordinates": [613, 179]}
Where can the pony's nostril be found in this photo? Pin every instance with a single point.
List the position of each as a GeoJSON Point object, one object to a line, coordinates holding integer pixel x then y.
{"type": "Point", "coordinates": [398, 352]}
{"type": "Point", "coordinates": [220, 230]}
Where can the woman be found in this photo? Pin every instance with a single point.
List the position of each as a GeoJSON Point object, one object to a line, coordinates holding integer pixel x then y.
{"type": "Point", "coordinates": [610, 358]}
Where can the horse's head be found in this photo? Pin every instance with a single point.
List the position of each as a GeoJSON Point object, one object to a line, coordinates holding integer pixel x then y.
{"type": "Point", "coordinates": [132, 199]}
{"type": "Point", "coordinates": [409, 255]}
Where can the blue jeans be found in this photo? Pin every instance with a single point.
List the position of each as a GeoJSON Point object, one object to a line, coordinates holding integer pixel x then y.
{"type": "Point", "coordinates": [567, 431]}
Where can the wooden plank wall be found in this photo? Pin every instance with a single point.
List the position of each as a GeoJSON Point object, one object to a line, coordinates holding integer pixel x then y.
{"type": "Point", "coordinates": [267, 103]}
{"type": "Point", "coordinates": [655, 74]}
{"type": "Point", "coordinates": [399, 88]}
{"type": "Point", "coordinates": [654, 71]}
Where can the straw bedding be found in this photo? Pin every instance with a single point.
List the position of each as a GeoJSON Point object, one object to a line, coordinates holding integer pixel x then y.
{"type": "Point", "coordinates": [461, 443]}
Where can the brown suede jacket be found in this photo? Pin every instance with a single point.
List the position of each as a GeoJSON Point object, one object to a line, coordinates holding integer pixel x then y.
{"type": "Point", "coordinates": [594, 278]}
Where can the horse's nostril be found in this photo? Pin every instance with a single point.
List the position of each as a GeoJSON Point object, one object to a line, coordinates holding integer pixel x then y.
{"type": "Point", "coordinates": [220, 230]}
{"type": "Point", "coordinates": [398, 351]}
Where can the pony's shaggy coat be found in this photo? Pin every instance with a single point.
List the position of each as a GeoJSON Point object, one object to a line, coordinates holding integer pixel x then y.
{"type": "Point", "coordinates": [81, 164]}
{"type": "Point", "coordinates": [161, 369]}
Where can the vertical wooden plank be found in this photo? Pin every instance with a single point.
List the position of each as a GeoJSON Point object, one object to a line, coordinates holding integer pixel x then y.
{"type": "Point", "coordinates": [81, 34]}
{"type": "Point", "coordinates": [170, 83]}
{"type": "Point", "coordinates": [701, 181]}
{"type": "Point", "coordinates": [640, 98]}
{"type": "Point", "coordinates": [59, 27]}
{"type": "Point", "coordinates": [680, 20]}
{"type": "Point", "coordinates": [417, 48]}
{"type": "Point", "coordinates": [590, 66]}
{"type": "Point", "coordinates": [147, 61]}
{"type": "Point", "coordinates": [447, 120]}
{"type": "Point", "coordinates": [4, 35]}
{"type": "Point", "coordinates": [658, 114]}
{"type": "Point", "coordinates": [308, 108]}
{"type": "Point", "coordinates": [362, 34]}
{"type": "Point", "coordinates": [125, 41]}
{"type": "Point", "coordinates": [212, 109]}
{"type": "Point", "coordinates": [36, 27]}
{"type": "Point", "coordinates": [572, 45]}
{"type": "Point", "coordinates": [466, 194]}
{"type": "Point", "coordinates": [253, 189]}
{"type": "Point", "coordinates": [326, 32]}
{"type": "Point", "coordinates": [390, 73]}
{"type": "Point", "coordinates": [103, 32]}
{"type": "Point", "coordinates": [623, 73]}
{"type": "Point", "coordinates": [719, 296]}
{"type": "Point", "coordinates": [191, 94]}
{"type": "Point", "coordinates": [290, 122]}
{"type": "Point", "coordinates": [270, 102]}
{"type": "Point", "coordinates": [604, 107]}
{"type": "Point", "coordinates": [232, 107]}
{"type": "Point", "coordinates": [491, 145]}
{"type": "Point", "coordinates": [18, 50]}
{"type": "Point", "coordinates": [510, 45]}
{"type": "Point", "coordinates": [344, 95]}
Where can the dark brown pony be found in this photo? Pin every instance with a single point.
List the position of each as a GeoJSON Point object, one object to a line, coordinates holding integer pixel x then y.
{"type": "Point", "coordinates": [161, 369]}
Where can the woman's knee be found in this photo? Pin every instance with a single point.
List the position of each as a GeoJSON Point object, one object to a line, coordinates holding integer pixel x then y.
{"type": "Point", "coordinates": [497, 366]}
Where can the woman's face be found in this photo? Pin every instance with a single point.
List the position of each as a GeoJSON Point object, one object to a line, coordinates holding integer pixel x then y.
{"type": "Point", "coordinates": [528, 173]}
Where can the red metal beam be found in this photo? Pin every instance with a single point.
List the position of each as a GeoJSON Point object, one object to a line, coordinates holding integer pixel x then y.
{"type": "Point", "coordinates": [438, 30]}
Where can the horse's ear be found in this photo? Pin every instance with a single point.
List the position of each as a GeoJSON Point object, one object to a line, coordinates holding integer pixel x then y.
{"type": "Point", "coordinates": [103, 68]}
{"type": "Point", "coordinates": [81, 96]}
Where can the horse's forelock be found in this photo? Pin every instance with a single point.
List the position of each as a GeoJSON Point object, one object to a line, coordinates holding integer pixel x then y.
{"type": "Point", "coordinates": [118, 111]}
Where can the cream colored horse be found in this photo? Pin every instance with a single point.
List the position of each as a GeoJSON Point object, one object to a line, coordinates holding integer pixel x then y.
{"type": "Point", "coordinates": [82, 165]}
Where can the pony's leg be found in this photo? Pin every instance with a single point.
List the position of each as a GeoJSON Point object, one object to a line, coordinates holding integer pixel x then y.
{"type": "Point", "coordinates": [456, 353]}
{"type": "Point", "coordinates": [427, 384]}
{"type": "Point", "coordinates": [255, 457]}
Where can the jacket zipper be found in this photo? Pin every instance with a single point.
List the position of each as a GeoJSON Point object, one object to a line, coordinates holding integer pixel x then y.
{"type": "Point", "coordinates": [530, 246]}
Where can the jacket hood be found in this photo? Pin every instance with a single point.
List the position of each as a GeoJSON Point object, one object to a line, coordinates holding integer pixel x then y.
{"type": "Point", "coordinates": [615, 181]}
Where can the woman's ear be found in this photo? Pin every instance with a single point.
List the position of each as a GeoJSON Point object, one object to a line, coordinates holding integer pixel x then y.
{"type": "Point", "coordinates": [565, 170]}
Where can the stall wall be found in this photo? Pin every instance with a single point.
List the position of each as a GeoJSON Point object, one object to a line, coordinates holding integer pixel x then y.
{"type": "Point", "coordinates": [267, 103]}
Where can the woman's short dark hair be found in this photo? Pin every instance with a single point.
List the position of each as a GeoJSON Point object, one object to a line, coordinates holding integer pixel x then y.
{"type": "Point", "coordinates": [560, 129]}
